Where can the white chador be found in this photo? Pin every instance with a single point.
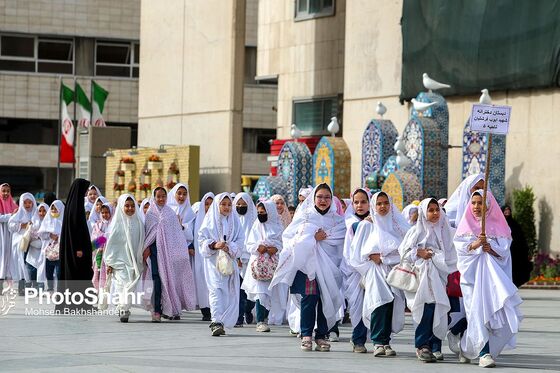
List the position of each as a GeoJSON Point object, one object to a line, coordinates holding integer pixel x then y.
{"type": "Point", "coordinates": [491, 299]}
{"type": "Point", "coordinates": [459, 200]}
{"type": "Point", "coordinates": [184, 211]}
{"type": "Point", "coordinates": [51, 225]}
{"type": "Point", "coordinates": [94, 216]}
{"type": "Point", "coordinates": [381, 236]}
{"type": "Point", "coordinates": [223, 290]}
{"type": "Point", "coordinates": [198, 263]}
{"type": "Point", "coordinates": [302, 252]}
{"type": "Point", "coordinates": [353, 292]}
{"type": "Point", "coordinates": [268, 233]}
{"type": "Point", "coordinates": [35, 255]}
{"type": "Point", "coordinates": [433, 272]}
{"type": "Point", "coordinates": [123, 252]}
{"type": "Point", "coordinates": [22, 216]}
{"type": "Point", "coordinates": [246, 221]}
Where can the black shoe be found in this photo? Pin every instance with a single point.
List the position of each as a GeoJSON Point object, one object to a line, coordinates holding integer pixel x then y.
{"type": "Point", "coordinates": [124, 316]}
{"type": "Point", "coordinates": [166, 317]}
{"type": "Point", "coordinates": [238, 325]}
{"type": "Point", "coordinates": [176, 317]}
{"type": "Point", "coordinates": [249, 317]}
{"type": "Point", "coordinates": [217, 329]}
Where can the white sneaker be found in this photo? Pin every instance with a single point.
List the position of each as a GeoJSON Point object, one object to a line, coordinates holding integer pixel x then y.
{"type": "Point", "coordinates": [486, 361]}
{"type": "Point", "coordinates": [453, 341]}
{"type": "Point", "coordinates": [333, 337]}
{"type": "Point", "coordinates": [438, 355]}
{"type": "Point", "coordinates": [378, 350]}
{"type": "Point", "coordinates": [463, 359]}
{"type": "Point", "coordinates": [262, 327]}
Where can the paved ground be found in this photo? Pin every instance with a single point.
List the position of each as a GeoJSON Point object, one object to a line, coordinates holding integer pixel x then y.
{"type": "Point", "coordinates": [102, 344]}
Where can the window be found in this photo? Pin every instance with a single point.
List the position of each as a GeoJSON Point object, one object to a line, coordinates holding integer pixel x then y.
{"type": "Point", "coordinates": [257, 140]}
{"type": "Point", "coordinates": [117, 59]}
{"type": "Point", "coordinates": [307, 9]}
{"type": "Point", "coordinates": [36, 54]}
{"type": "Point", "coordinates": [313, 116]}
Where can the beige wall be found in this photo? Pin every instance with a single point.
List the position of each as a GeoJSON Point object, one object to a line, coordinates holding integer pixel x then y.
{"type": "Point", "coordinates": [191, 83]}
{"type": "Point", "coordinates": [307, 56]}
{"type": "Point", "coordinates": [373, 73]}
{"type": "Point", "coordinates": [97, 18]}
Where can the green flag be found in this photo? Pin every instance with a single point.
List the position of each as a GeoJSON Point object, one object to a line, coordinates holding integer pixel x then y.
{"type": "Point", "coordinates": [99, 96]}
{"type": "Point", "coordinates": [83, 114]}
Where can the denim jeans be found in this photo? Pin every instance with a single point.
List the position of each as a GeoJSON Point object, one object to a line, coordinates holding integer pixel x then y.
{"type": "Point", "coordinates": [424, 336]}
{"type": "Point", "coordinates": [311, 309]}
{"type": "Point", "coordinates": [359, 334]}
{"type": "Point", "coordinates": [156, 279]}
{"type": "Point", "coordinates": [50, 268]}
{"type": "Point", "coordinates": [262, 313]}
{"type": "Point", "coordinates": [381, 324]}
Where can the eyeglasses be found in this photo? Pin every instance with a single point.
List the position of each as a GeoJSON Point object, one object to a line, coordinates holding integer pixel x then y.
{"type": "Point", "coordinates": [325, 198]}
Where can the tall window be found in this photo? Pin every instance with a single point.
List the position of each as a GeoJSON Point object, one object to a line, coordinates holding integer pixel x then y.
{"type": "Point", "coordinates": [117, 59]}
{"type": "Point", "coordinates": [306, 9]}
{"type": "Point", "coordinates": [36, 54]}
{"type": "Point", "coordinates": [313, 116]}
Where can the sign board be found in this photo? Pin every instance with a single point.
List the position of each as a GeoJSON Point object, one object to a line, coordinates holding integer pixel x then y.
{"type": "Point", "coordinates": [490, 119]}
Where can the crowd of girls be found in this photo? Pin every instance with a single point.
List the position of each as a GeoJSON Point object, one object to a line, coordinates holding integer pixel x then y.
{"type": "Point", "coordinates": [235, 258]}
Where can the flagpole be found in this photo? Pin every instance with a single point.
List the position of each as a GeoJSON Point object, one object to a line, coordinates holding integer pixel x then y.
{"type": "Point", "coordinates": [59, 135]}
{"type": "Point", "coordinates": [485, 190]}
{"type": "Point", "coordinates": [76, 146]}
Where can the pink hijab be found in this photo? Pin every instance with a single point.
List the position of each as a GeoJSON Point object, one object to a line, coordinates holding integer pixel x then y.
{"type": "Point", "coordinates": [7, 206]}
{"type": "Point", "coordinates": [496, 224]}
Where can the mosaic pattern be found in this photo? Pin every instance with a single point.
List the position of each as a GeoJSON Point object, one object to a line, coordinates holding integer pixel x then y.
{"type": "Point", "coordinates": [377, 145]}
{"type": "Point", "coordinates": [331, 165]}
{"type": "Point", "coordinates": [389, 166]}
{"type": "Point", "coordinates": [440, 114]}
{"type": "Point", "coordinates": [424, 149]}
{"type": "Point", "coordinates": [403, 187]}
{"type": "Point", "coordinates": [295, 165]}
{"type": "Point", "coordinates": [267, 186]}
{"type": "Point", "coordinates": [475, 148]}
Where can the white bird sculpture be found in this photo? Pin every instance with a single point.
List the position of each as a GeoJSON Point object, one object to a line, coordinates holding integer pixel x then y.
{"type": "Point", "coordinates": [431, 84]}
{"type": "Point", "coordinates": [399, 144]}
{"type": "Point", "coordinates": [485, 98]}
{"type": "Point", "coordinates": [333, 127]}
{"type": "Point", "coordinates": [380, 109]}
{"type": "Point", "coordinates": [295, 132]}
{"type": "Point", "coordinates": [402, 160]}
{"type": "Point", "coordinates": [422, 106]}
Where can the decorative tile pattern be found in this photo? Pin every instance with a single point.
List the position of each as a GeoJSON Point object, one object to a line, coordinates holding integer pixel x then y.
{"type": "Point", "coordinates": [475, 150]}
{"type": "Point", "coordinates": [295, 165]}
{"type": "Point", "coordinates": [378, 141]}
{"type": "Point", "coordinates": [267, 186]}
{"type": "Point", "coordinates": [331, 165]}
{"type": "Point", "coordinates": [403, 187]}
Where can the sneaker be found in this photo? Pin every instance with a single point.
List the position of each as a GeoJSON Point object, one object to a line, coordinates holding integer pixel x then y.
{"type": "Point", "coordinates": [322, 345]}
{"type": "Point", "coordinates": [306, 345]}
{"type": "Point", "coordinates": [486, 361]}
{"type": "Point", "coordinates": [425, 355]}
{"type": "Point", "coordinates": [175, 318]}
{"type": "Point", "coordinates": [463, 359]}
{"type": "Point", "coordinates": [378, 350]}
{"type": "Point", "coordinates": [293, 333]}
{"type": "Point", "coordinates": [333, 337]}
{"type": "Point", "coordinates": [389, 351]}
{"type": "Point", "coordinates": [166, 317]}
{"type": "Point", "coordinates": [454, 341]}
{"type": "Point", "coordinates": [156, 317]}
{"type": "Point", "coordinates": [217, 329]}
{"type": "Point", "coordinates": [263, 327]}
{"type": "Point", "coordinates": [238, 325]}
{"type": "Point", "coordinates": [360, 349]}
{"type": "Point", "coordinates": [124, 316]}
{"type": "Point", "coordinates": [438, 355]}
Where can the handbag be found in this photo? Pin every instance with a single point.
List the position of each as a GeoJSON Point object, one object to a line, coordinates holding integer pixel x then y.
{"type": "Point", "coordinates": [25, 239]}
{"type": "Point", "coordinates": [52, 251]}
{"type": "Point", "coordinates": [263, 267]}
{"type": "Point", "coordinates": [454, 285]}
{"type": "Point", "coordinates": [104, 293]}
{"type": "Point", "coordinates": [225, 264]}
{"type": "Point", "coordinates": [404, 276]}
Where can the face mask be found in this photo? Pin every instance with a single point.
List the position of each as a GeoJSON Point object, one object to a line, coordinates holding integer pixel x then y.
{"type": "Point", "coordinates": [262, 217]}
{"type": "Point", "coordinates": [241, 210]}
{"type": "Point", "coordinates": [55, 214]}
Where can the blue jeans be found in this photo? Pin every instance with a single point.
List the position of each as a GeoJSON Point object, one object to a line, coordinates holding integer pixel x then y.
{"type": "Point", "coordinates": [424, 336]}
{"type": "Point", "coordinates": [262, 313]}
{"type": "Point", "coordinates": [359, 334]}
{"type": "Point", "coordinates": [245, 305]}
{"type": "Point", "coordinates": [381, 324]}
{"type": "Point", "coordinates": [156, 297]}
{"type": "Point", "coordinates": [311, 309]}
{"type": "Point", "coordinates": [50, 268]}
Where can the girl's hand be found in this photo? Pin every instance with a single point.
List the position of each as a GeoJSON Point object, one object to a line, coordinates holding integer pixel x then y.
{"type": "Point", "coordinates": [191, 252]}
{"type": "Point", "coordinates": [24, 225]}
{"type": "Point", "coordinates": [424, 253]}
{"type": "Point", "coordinates": [54, 237]}
{"type": "Point", "coordinates": [219, 245]}
{"type": "Point", "coordinates": [79, 253]}
{"type": "Point", "coordinates": [272, 250]}
{"type": "Point", "coordinates": [376, 258]}
{"type": "Point", "coordinates": [225, 248]}
{"type": "Point", "coordinates": [239, 263]}
{"type": "Point", "coordinates": [261, 249]}
{"type": "Point", "coordinates": [320, 235]}
{"type": "Point", "coordinates": [146, 254]}
{"type": "Point", "coordinates": [109, 269]}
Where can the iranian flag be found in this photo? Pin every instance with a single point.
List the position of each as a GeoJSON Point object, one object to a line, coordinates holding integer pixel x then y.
{"type": "Point", "coordinates": [83, 107]}
{"type": "Point", "coordinates": [99, 95]}
{"type": "Point", "coordinates": [67, 127]}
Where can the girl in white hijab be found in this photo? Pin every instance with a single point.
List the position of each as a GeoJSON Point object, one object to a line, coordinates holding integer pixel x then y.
{"type": "Point", "coordinates": [310, 242]}
{"type": "Point", "coordinates": [247, 213]}
{"type": "Point", "coordinates": [91, 196]}
{"type": "Point", "coordinates": [34, 257]}
{"type": "Point", "coordinates": [123, 252]}
{"type": "Point", "coordinates": [180, 202]}
{"type": "Point", "coordinates": [50, 235]}
{"type": "Point", "coordinates": [95, 214]}
{"type": "Point", "coordinates": [198, 264]}
{"type": "Point", "coordinates": [220, 241]}
{"type": "Point", "coordinates": [18, 224]}
{"type": "Point", "coordinates": [429, 245]}
{"type": "Point", "coordinates": [375, 252]}
{"type": "Point", "coordinates": [264, 243]}
{"type": "Point", "coordinates": [459, 200]}
{"type": "Point", "coordinates": [144, 206]}
{"type": "Point", "coordinates": [410, 213]}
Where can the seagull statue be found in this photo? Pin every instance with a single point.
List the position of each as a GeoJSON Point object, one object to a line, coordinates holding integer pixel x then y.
{"type": "Point", "coordinates": [380, 109]}
{"type": "Point", "coordinates": [431, 84]}
{"type": "Point", "coordinates": [399, 144]}
{"type": "Point", "coordinates": [295, 132]}
{"type": "Point", "coordinates": [485, 98]}
{"type": "Point", "coordinates": [422, 106]}
{"type": "Point", "coordinates": [333, 126]}
{"type": "Point", "coordinates": [402, 160]}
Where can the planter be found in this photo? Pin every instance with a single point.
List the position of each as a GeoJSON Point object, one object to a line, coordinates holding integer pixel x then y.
{"type": "Point", "coordinates": [156, 165]}
{"type": "Point", "coordinates": [128, 167]}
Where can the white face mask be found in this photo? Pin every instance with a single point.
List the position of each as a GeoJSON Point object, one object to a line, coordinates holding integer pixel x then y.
{"type": "Point", "coordinates": [55, 214]}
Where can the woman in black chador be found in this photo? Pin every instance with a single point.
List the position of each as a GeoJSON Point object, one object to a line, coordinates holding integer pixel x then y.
{"type": "Point", "coordinates": [521, 265]}
{"type": "Point", "coordinates": [75, 245]}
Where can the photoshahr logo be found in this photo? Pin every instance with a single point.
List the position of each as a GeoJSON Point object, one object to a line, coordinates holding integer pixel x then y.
{"type": "Point", "coordinates": [7, 299]}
